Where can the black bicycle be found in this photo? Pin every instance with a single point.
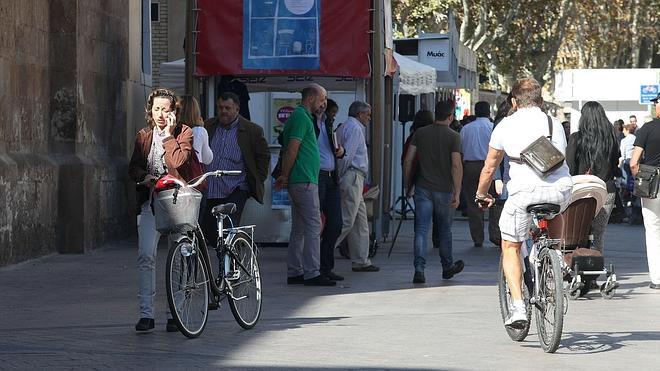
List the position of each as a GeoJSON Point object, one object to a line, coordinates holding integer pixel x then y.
{"type": "Point", "coordinates": [192, 287]}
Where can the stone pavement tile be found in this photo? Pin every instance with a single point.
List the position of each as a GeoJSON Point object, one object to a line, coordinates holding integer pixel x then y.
{"type": "Point", "coordinates": [78, 312]}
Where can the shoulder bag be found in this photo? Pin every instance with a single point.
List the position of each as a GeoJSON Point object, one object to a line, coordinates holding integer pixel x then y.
{"type": "Point", "coordinates": [541, 156]}
{"type": "Point", "coordinates": [646, 181]}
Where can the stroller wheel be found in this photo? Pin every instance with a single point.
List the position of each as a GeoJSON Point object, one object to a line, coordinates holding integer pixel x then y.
{"type": "Point", "coordinates": [577, 291]}
{"type": "Point", "coordinates": [607, 292]}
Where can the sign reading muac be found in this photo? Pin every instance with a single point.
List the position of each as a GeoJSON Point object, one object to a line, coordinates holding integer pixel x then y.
{"type": "Point", "coordinates": [281, 34]}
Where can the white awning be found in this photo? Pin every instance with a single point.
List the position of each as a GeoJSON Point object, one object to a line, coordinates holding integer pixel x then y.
{"type": "Point", "coordinates": [414, 77]}
{"type": "Point", "coordinates": [173, 75]}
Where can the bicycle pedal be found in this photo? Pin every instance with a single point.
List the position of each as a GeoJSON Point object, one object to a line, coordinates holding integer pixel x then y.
{"type": "Point", "coordinates": [214, 306]}
{"type": "Point", "coordinates": [232, 275]}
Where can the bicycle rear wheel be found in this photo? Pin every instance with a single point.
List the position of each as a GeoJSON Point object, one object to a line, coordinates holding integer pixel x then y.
{"type": "Point", "coordinates": [550, 305]}
{"type": "Point", "coordinates": [516, 334]}
{"type": "Point", "coordinates": [187, 289]}
{"type": "Point", "coordinates": [245, 285]}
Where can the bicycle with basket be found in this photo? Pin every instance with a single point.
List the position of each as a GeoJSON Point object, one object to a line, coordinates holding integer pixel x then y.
{"type": "Point", "coordinates": [192, 287]}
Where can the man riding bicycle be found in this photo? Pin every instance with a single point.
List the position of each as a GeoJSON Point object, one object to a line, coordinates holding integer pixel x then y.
{"type": "Point", "coordinates": [511, 136]}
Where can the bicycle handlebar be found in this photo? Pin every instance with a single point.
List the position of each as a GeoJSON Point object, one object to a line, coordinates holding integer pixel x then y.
{"type": "Point", "coordinates": [197, 181]}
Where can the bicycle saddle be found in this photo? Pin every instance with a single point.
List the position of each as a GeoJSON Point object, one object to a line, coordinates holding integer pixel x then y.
{"type": "Point", "coordinates": [543, 208]}
{"type": "Point", "coordinates": [224, 209]}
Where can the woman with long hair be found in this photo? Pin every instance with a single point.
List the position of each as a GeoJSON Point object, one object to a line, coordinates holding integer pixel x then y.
{"type": "Point", "coordinates": [594, 150]}
{"type": "Point", "coordinates": [189, 114]}
{"type": "Point", "coordinates": [163, 147]}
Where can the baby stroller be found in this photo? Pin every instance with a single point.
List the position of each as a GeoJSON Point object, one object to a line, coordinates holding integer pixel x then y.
{"type": "Point", "coordinates": [583, 264]}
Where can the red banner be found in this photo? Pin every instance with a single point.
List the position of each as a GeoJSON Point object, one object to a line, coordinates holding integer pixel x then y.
{"type": "Point", "coordinates": [344, 40]}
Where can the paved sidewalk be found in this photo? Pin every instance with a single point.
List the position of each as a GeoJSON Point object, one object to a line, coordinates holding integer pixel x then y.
{"type": "Point", "coordinates": [78, 311]}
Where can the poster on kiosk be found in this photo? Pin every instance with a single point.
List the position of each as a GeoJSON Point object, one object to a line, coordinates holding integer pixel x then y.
{"type": "Point", "coordinates": [279, 47]}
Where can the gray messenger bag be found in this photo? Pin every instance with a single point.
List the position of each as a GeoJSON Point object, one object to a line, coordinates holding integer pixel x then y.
{"type": "Point", "coordinates": [541, 156]}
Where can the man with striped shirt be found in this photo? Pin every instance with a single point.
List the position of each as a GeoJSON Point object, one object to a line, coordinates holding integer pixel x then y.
{"type": "Point", "coordinates": [237, 144]}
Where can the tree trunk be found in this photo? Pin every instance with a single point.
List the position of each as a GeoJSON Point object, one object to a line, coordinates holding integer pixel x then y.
{"type": "Point", "coordinates": [634, 35]}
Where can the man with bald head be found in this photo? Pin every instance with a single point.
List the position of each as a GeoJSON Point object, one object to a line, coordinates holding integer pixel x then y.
{"type": "Point", "coordinates": [300, 174]}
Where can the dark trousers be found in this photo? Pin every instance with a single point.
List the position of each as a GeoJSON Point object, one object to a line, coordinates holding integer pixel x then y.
{"type": "Point", "coordinates": [471, 173]}
{"type": "Point", "coordinates": [330, 202]}
{"type": "Point", "coordinates": [208, 221]}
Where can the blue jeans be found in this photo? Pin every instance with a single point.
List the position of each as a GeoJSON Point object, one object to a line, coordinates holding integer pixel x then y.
{"type": "Point", "coordinates": [433, 206]}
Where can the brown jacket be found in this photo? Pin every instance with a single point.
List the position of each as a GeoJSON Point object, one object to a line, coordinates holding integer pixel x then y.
{"type": "Point", "coordinates": [254, 150]}
{"type": "Point", "coordinates": [178, 149]}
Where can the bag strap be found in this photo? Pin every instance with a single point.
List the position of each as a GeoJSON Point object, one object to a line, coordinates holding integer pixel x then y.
{"type": "Point", "coordinates": [517, 160]}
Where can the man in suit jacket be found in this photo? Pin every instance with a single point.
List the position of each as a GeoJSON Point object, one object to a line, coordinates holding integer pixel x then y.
{"type": "Point", "coordinates": [237, 144]}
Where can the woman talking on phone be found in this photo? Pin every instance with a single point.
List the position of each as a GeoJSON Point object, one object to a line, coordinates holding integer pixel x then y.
{"type": "Point", "coordinates": [162, 147]}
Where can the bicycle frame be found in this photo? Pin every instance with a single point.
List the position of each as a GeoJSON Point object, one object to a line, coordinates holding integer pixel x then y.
{"type": "Point", "coordinates": [540, 242]}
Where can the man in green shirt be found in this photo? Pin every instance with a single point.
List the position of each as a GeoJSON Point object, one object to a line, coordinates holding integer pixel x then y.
{"type": "Point", "coordinates": [300, 174]}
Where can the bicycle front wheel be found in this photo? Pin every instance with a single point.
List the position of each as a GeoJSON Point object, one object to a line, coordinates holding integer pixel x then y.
{"type": "Point", "coordinates": [549, 308]}
{"type": "Point", "coordinates": [506, 302]}
{"type": "Point", "coordinates": [187, 286]}
{"type": "Point", "coordinates": [245, 282]}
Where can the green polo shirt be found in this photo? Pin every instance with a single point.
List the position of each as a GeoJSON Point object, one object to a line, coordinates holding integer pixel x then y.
{"type": "Point", "coordinates": [300, 126]}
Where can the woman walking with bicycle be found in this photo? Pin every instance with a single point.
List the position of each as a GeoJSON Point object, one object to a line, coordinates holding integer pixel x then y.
{"type": "Point", "coordinates": [511, 136]}
{"type": "Point", "coordinates": [162, 148]}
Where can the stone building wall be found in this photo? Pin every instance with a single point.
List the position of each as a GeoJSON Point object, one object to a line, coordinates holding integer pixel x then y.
{"type": "Point", "coordinates": [63, 182]}
{"type": "Point", "coordinates": [159, 40]}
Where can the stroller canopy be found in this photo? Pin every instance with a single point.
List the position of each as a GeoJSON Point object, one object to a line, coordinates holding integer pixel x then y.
{"type": "Point", "coordinates": [586, 186]}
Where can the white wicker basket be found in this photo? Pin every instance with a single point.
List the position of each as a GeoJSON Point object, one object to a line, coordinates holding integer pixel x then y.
{"type": "Point", "coordinates": [177, 214]}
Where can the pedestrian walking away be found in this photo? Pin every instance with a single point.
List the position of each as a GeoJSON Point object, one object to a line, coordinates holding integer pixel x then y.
{"type": "Point", "coordinates": [513, 134]}
{"type": "Point", "coordinates": [437, 188]}
{"type": "Point", "coordinates": [474, 140]}
{"type": "Point", "coordinates": [647, 144]}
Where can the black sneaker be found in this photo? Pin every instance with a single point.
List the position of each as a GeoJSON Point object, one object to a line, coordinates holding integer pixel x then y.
{"type": "Point", "coordinates": [419, 277]}
{"type": "Point", "coordinates": [171, 326]}
{"type": "Point", "coordinates": [319, 280]}
{"type": "Point", "coordinates": [144, 325]}
{"type": "Point", "coordinates": [295, 280]}
{"type": "Point", "coordinates": [454, 270]}
{"type": "Point", "coordinates": [332, 276]}
{"type": "Point", "coordinates": [366, 268]}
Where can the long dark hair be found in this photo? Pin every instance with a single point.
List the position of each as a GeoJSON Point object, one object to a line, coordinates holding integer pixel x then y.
{"type": "Point", "coordinates": [422, 118]}
{"type": "Point", "coordinates": [504, 109]}
{"type": "Point", "coordinates": [595, 138]}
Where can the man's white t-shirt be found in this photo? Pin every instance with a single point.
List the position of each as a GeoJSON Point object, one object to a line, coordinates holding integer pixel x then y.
{"type": "Point", "coordinates": [515, 133]}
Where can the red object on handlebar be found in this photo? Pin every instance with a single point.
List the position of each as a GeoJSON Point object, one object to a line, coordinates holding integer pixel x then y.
{"type": "Point", "coordinates": [165, 182]}
{"type": "Point", "coordinates": [543, 224]}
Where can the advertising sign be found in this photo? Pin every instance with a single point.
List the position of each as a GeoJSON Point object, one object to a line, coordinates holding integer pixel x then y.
{"type": "Point", "coordinates": [647, 92]}
{"type": "Point", "coordinates": [435, 53]}
{"type": "Point", "coordinates": [281, 34]}
{"type": "Point", "coordinates": [283, 37]}
{"type": "Point", "coordinates": [282, 109]}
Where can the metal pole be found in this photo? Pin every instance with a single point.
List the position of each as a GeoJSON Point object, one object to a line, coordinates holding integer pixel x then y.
{"type": "Point", "coordinates": [378, 110]}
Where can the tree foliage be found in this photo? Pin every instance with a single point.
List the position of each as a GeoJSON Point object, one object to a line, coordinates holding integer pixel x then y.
{"type": "Point", "coordinates": [514, 38]}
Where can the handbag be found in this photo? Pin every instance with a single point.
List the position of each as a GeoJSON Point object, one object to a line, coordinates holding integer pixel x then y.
{"type": "Point", "coordinates": [541, 155]}
{"type": "Point", "coordinates": [646, 181]}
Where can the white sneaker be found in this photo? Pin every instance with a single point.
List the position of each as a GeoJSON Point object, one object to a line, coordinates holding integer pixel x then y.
{"type": "Point", "coordinates": [518, 318]}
